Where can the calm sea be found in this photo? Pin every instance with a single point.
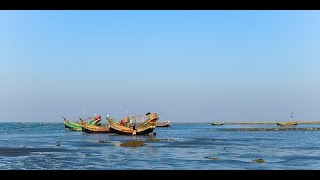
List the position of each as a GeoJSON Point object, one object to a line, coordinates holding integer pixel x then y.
{"type": "Point", "coordinates": [180, 147]}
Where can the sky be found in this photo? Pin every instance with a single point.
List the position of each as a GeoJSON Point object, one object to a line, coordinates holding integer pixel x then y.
{"type": "Point", "coordinates": [188, 66]}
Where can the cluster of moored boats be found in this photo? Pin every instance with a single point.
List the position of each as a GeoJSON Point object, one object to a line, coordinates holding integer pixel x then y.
{"type": "Point", "coordinates": [129, 125]}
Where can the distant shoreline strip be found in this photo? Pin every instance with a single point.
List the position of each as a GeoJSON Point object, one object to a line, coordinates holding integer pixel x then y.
{"type": "Point", "coordinates": [236, 123]}
{"type": "Point", "coordinates": [269, 129]}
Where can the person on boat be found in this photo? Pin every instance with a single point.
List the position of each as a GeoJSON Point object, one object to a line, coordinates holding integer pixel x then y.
{"type": "Point", "coordinates": [134, 129]}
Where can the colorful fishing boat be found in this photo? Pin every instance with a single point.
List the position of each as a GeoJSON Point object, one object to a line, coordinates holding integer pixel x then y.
{"type": "Point", "coordinates": [78, 126]}
{"type": "Point", "coordinates": [71, 125]}
{"type": "Point", "coordinates": [92, 128]}
{"type": "Point", "coordinates": [164, 124]}
{"type": "Point", "coordinates": [134, 125]}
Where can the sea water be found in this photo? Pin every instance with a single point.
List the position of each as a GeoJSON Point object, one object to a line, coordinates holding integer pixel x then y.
{"type": "Point", "coordinates": [179, 147]}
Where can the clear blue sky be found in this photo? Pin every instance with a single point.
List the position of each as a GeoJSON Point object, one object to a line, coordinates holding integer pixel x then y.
{"type": "Point", "coordinates": [198, 66]}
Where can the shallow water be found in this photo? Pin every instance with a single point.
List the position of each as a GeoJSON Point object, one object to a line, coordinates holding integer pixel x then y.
{"type": "Point", "coordinates": [182, 146]}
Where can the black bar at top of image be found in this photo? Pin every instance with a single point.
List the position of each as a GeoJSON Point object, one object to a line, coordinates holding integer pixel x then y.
{"type": "Point", "coordinates": [158, 5]}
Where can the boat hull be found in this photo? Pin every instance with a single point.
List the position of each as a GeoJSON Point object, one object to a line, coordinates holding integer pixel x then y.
{"type": "Point", "coordinates": [217, 124]}
{"type": "Point", "coordinates": [72, 126]}
{"type": "Point", "coordinates": [287, 123]}
{"type": "Point", "coordinates": [164, 124]}
{"type": "Point", "coordinates": [95, 129]}
{"type": "Point", "coordinates": [129, 133]}
{"type": "Point", "coordinates": [160, 125]}
{"type": "Point", "coordinates": [90, 131]}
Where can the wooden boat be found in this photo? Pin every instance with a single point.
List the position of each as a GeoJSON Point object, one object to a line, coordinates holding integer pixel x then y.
{"type": "Point", "coordinates": [91, 128]}
{"type": "Point", "coordinates": [217, 123]}
{"type": "Point", "coordinates": [140, 125]}
{"type": "Point", "coordinates": [71, 125]}
{"type": "Point", "coordinates": [78, 126]}
{"type": "Point", "coordinates": [287, 123]}
{"type": "Point", "coordinates": [164, 124]}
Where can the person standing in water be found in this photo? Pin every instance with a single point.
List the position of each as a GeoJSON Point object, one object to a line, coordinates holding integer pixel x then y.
{"type": "Point", "coordinates": [134, 129]}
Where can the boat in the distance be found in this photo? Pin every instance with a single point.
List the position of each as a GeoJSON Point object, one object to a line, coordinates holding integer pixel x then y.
{"type": "Point", "coordinates": [134, 125]}
{"type": "Point", "coordinates": [217, 123]}
{"type": "Point", "coordinates": [164, 124]}
{"type": "Point", "coordinates": [289, 123]}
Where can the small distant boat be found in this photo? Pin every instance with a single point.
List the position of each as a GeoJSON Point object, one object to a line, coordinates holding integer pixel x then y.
{"type": "Point", "coordinates": [217, 123]}
{"type": "Point", "coordinates": [134, 125]}
{"type": "Point", "coordinates": [164, 124]}
{"type": "Point", "coordinates": [287, 123]}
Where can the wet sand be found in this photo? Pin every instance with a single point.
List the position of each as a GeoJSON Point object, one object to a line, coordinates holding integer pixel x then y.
{"type": "Point", "coordinates": [24, 151]}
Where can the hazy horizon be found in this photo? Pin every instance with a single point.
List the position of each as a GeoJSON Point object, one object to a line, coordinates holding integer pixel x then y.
{"type": "Point", "coordinates": [188, 66]}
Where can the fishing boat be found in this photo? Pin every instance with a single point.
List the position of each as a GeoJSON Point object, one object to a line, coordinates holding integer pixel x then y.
{"type": "Point", "coordinates": [289, 123]}
{"type": "Point", "coordinates": [91, 128]}
{"type": "Point", "coordinates": [164, 124]}
{"type": "Point", "coordinates": [71, 125]}
{"type": "Point", "coordinates": [217, 123]}
{"type": "Point", "coordinates": [78, 126]}
{"type": "Point", "coordinates": [134, 125]}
